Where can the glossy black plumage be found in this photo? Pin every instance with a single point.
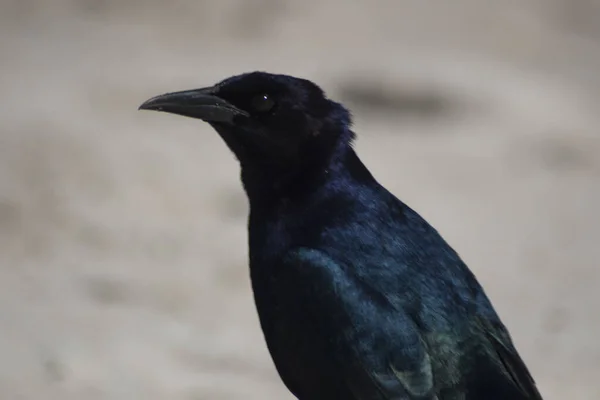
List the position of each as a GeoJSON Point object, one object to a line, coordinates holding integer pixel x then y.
{"type": "Point", "coordinates": [359, 298]}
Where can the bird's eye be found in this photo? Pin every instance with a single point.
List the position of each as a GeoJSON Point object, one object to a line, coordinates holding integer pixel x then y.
{"type": "Point", "coordinates": [262, 103]}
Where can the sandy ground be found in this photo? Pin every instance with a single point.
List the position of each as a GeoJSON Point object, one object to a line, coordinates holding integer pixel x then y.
{"type": "Point", "coordinates": [123, 268]}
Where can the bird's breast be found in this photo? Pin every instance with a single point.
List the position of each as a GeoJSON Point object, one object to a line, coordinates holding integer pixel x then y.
{"type": "Point", "coordinates": [300, 347]}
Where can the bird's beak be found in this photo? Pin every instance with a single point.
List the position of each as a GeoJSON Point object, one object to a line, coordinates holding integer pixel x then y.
{"type": "Point", "coordinates": [196, 103]}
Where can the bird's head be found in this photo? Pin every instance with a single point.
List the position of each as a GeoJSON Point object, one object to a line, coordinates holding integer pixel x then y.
{"type": "Point", "coordinates": [275, 124]}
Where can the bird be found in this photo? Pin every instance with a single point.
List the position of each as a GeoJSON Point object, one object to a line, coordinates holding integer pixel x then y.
{"type": "Point", "coordinates": [358, 297]}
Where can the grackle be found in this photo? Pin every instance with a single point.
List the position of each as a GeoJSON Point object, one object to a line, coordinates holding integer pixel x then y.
{"type": "Point", "coordinates": [358, 297]}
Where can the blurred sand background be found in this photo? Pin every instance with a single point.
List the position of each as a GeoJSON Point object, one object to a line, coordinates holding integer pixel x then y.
{"type": "Point", "coordinates": [123, 269]}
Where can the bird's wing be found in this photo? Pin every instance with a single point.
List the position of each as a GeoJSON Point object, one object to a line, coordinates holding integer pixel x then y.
{"type": "Point", "coordinates": [384, 355]}
{"type": "Point", "coordinates": [499, 340]}
{"type": "Point", "coordinates": [379, 350]}
{"type": "Point", "coordinates": [401, 380]}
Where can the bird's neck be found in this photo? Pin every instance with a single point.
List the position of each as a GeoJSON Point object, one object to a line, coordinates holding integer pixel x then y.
{"type": "Point", "coordinates": [285, 218]}
{"type": "Point", "coordinates": [340, 168]}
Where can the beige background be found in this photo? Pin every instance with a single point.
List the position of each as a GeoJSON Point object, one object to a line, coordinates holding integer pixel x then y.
{"type": "Point", "coordinates": [122, 234]}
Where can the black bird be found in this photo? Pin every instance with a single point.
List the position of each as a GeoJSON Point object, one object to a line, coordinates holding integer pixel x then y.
{"type": "Point", "coordinates": [359, 298]}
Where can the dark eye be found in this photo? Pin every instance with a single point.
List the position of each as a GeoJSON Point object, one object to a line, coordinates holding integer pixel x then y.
{"type": "Point", "coordinates": [262, 103]}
